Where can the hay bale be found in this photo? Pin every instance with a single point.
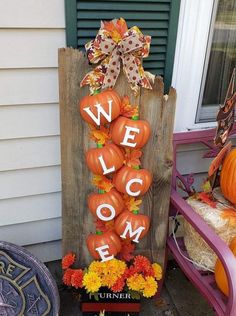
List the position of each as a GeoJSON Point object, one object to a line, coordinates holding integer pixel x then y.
{"type": "Point", "coordinates": [197, 248]}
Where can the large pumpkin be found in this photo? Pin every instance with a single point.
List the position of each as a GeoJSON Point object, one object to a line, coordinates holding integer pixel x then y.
{"type": "Point", "coordinates": [113, 198]}
{"type": "Point", "coordinates": [228, 177]}
{"type": "Point", "coordinates": [121, 134]}
{"type": "Point", "coordinates": [101, 239]}
{"type": "Point", "coordinates": [220, 275]}
{"type": "Point", "coordinates": [136, 220]}
{"type": "Point", "coordinates": [112, 156]}
{"type": "Point", "coordinates": [127, 174]}
{"type": "Point", "coordinates": [106, 99]}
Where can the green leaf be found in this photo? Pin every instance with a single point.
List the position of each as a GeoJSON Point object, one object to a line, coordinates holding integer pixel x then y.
{"type": "Point", "coordinates": [134, 294]}
{"type": "Point", "coordinates": [96, 297]}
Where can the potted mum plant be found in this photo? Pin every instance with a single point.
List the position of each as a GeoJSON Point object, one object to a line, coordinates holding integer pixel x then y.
{"type": "Point", "coordinates": [113, 285]}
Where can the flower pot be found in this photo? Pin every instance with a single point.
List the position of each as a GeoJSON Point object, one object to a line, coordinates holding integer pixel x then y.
{"type": "Point", "coordinates": [116, 304]}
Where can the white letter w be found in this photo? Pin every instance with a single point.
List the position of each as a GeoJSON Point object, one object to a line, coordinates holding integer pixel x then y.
{"type": "Point", "coordinates": [101, 111]}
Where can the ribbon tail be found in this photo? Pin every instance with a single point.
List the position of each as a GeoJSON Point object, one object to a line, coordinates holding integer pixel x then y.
{"type": "Point", "coordinates": [113, 70]}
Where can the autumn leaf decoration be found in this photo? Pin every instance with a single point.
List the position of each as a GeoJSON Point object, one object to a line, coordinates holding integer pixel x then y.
{"type": "Point", "coordinates": [100, 136]}
{"type": "Point", "coordinates": [230, 214]}
{"type": "Point", "coordinates": [102, 183]}
{"type": "Point", "coordinates": [206, 195]}
{"type": "Point", "coordinates": [116, 29]}
{"type": "Point", "coordinates": [131, 203]}
{"type": "Point", "coordinates": [127, 250]}
{"type": "Point", "coordinates": [132, 157]}
{"type": "Point", "coordinates": [207, 198]}
{"type": "Point", "coordinates": [127, 109]}
{"type": "Point", "coordinates": [104, 226]}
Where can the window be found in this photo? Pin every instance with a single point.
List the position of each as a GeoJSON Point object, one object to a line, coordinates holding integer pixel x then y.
{"type": "Point", "coordinates": [192, 57]}
{"type": "Point", "coordinates": [220, 60]}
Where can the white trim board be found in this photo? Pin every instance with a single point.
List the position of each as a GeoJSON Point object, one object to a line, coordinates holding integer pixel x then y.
{"type": "Point", "coordinates": [192, 40]}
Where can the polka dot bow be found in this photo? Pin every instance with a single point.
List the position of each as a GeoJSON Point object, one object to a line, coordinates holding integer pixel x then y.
{"type": "Point", "coordinates": [115, 43]}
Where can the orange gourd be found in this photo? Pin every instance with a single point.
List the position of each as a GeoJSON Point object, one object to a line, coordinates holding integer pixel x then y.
{"type": "Point", "coordinates": [125, 174]}
{"type": "Point", "coordinates": [101, 239]}
{"type": "Point", "coordinates": [112, 156]}
{"type": "Point", "coordinates": [137, 220]}
{"type": "Point", "coordinates": [228, 177]}
{"type": "Point", "coordinates": [103, 98]}
{"type": "Point", "coordinates": [220, 275]}
{"type": "Point", "coordinates": [112, 198]}
{"type": "Point", "coordinates": [119, 129]}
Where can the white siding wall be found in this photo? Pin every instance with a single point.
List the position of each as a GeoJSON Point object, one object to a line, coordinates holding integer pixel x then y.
{"type": "Point", "coordinates": [30, 201]}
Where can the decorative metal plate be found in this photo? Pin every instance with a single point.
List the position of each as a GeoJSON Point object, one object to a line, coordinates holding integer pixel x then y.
{"type": "Point", "coordinates": [26, 286]}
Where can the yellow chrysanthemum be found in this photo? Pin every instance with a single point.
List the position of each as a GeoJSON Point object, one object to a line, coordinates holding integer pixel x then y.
{"type": "Point", "coordinates": [157, 271]}
{"type": "Point", "coordinates": [112, 271]}
{"type": "Point", "coordinates": [136, 282]}
{"type": "Point", "coordinates": [97, 267]}
{"type": "Point", "coordinates": [115, 267]}
{"type": "Point", "coordinates": [150, 287]}
{"type": "Point", "coordinates": [92, 282]}
{"type": "Point", "coordinates": [108, 280]}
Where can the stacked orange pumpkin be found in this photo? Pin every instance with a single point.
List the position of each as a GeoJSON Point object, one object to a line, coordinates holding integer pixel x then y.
{"type": "Point", "coordinates": [228, 177]}
{"type": "Point", "coordinates": [109, 160]}
{"type": "Point", "coordinates": [220, 275]}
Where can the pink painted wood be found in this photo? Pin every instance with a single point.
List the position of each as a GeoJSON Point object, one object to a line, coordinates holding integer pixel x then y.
{"type": "Point", "coordinates": [203, 281]}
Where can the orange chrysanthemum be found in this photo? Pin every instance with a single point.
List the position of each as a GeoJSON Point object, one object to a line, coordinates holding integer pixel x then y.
{"type": "Point", "coordinates": [68, 260]}
{"type": "Point", "coordinates": [77, 278]}
{"type": "Point", "coordinates": [119, 285]}
{"type": "Point", "coordinates": [67, 276]}
{"type": "Point", "coordinates": [142, 264]}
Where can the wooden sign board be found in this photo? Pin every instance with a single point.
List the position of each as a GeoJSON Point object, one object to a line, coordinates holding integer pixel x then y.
{"type": "Point", "coordinates": [76, 178]}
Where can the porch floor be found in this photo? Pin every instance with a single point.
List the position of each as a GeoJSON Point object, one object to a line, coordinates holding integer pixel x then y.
{"type": "Point", "coordinates": [178, 298]}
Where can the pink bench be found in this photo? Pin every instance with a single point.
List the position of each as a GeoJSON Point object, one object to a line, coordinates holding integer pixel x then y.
{"type": "Point", "coordinates": [203, 281]}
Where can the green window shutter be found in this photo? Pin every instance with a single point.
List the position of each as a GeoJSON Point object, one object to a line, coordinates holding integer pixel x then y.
{"type": "Point", "coordinates": [158, 18]}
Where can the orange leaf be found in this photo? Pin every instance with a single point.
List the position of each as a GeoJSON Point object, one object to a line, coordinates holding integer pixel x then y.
{"type": "Point", "coordinates": [127, 250]}
{"type": "Point", "coordinates": [132, 157]}
{"type": "Point", "coordinates": [104, 226]}
{"type": "Point", "coordinates": [230, 214]}
{"type": "Point", "coordinates": [102, 183]}
{"type": "Point", "coordinates": [206, 198]}
{"type": "Point", "coordinates": [100, 136]}
{"type": "Point", "coordinates": [127, 109]}
{"type": "Point", "coordinates": [131, 203]}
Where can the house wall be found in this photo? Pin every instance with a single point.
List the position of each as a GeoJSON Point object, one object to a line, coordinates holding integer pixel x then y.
{"type": "Point", "coordinates": [30, 201]}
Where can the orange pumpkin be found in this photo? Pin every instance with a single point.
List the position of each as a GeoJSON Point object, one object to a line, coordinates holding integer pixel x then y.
{"type": "Point", "coordinates": [121, 135]}
{"type": "Point", "coordinates": [101, 239]}
{"type": "Point", "coordinates": [228, 177]}
{"type": "Point", "coordinates": [104, 99]}
{"type": "Point", "coordinates": [220, 275]}
{"type": "Point", "coordinates": [136, 220]}
{"type": "Point", "coordinates": [112, 156]}
{"type": "Point", "coordinates": [126, 174]}
{"type": "Point", "coordinates": [112, 198]}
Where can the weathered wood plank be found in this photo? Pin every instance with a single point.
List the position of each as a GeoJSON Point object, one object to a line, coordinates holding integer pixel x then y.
{"type": "Point", "coordinates": [154, 107]}
{"type": "Point", "coordinates": [157, 157]}
{"type": "Point", "coordinates": [77, 222]}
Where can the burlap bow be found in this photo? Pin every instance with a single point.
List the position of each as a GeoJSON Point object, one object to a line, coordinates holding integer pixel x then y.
{"type": "Point", "coordinates": [115, 43]}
